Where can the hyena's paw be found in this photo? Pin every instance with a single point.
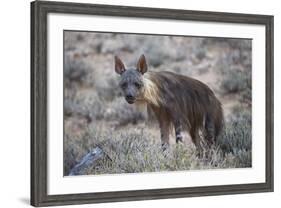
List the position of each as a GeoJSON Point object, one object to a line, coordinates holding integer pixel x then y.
{"type": "Point", "coordinates": [199, 154]}
{"type": "Point", "coordinates": [200, 151]}
{"type": "Point", "coordinates": [179, 139]}
{"type": "Point", "coordinates": [164, 146]}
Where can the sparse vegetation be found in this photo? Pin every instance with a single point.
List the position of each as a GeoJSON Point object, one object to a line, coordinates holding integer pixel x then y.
{"type": "Point", "coordinates": [236, 70]}
{"type": "Point", "coordinates": [96, 114]}
{"type": "Point", "coordinates": [134, 151]}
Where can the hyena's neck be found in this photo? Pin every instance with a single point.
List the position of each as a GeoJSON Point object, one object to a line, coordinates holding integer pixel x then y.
{"type": "Point", "coordinates": [151, 92]}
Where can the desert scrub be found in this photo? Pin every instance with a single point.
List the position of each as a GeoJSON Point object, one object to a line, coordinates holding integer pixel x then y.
{"type": "Point", "coordinates": [239, 82]}
{"type": "Point", "coordinates": [85, 104]}
{"type": "Point", "coordinates": [76, 71]}
{"type": "Point", "coordinates": [133, 150]}
{"type": "Point", "coordinates": [235, 67]}
{"type": "Point", "coordinates": [123, 113]}
{"type": "Point", "coordinates": [97, 114]}
{"type": "Point", "coordinates": [236, 139]}
{"type": "Point", "coordinates": [89, 105]}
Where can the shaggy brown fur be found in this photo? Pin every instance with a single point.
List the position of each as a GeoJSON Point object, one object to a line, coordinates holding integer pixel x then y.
{"type": "Point", "coordinates": [176, 100]}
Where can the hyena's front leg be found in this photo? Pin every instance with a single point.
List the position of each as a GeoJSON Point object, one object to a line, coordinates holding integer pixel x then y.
{"type": "Point", "coordinates": [178, 129]}
{"type": "Point", "coordinates": [164, 130]}
{"type": "Point", "coordinates": [164, 124]}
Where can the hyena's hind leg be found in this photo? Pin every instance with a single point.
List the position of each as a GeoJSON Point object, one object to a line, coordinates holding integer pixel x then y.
{"type": "Point", "coordinates": [178, 130]}
{"type": "Point", "coordinates": [194, 134]}
{"type": "Point", "coordinates": [209, 130]}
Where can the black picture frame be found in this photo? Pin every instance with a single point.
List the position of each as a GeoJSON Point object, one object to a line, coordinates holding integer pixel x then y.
{"type": "Point", "coordinates": [39, 98]}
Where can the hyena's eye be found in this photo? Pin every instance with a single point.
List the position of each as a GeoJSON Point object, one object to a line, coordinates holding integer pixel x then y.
{"type": "Point", "coordinates": [138, 85]}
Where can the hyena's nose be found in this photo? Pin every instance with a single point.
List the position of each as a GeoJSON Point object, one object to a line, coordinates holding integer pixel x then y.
{"type": "Point", "coordinates": [129, 97]}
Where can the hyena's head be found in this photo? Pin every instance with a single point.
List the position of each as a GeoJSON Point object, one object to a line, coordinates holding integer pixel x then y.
{"type": "Point", "coordinates": [131, 81]}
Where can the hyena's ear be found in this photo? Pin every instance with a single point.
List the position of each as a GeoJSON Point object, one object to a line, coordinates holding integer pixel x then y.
{"type": "Point", "coordinates": [119, 66]}
{"type": "Point", "coordinates": [142, 66]}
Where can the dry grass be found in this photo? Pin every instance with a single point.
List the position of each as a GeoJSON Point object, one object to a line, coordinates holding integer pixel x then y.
{"type": "Point", "coordinates": [133, 150]}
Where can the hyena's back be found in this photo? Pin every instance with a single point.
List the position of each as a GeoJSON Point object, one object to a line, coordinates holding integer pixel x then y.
{"type": "Point", "coordinates": [188, 101]}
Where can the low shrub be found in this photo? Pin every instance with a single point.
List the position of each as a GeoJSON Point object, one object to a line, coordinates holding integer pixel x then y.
{"type": "Point", "coordinates": [236, 138]}
{"type": "Point", "coordinates": [76, 71]}
{"type": "Point", "coordinates": [133, 150]}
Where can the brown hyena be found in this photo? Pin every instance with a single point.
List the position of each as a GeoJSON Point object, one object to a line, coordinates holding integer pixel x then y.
{"type": "Point", "coordinates": [178, 101]}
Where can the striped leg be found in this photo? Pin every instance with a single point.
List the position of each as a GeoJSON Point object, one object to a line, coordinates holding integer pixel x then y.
{"type": "Point", "coordinates": [178, 129]}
